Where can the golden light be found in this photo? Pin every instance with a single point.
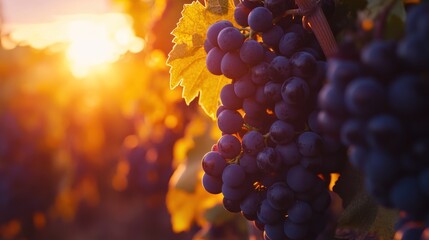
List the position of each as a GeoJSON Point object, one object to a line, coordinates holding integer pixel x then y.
{"type": "Point", "coordinates": [97, 41]}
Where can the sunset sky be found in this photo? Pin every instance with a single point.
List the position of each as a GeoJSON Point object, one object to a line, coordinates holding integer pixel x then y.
{"type": "Point", "coordinates": [38, 11]}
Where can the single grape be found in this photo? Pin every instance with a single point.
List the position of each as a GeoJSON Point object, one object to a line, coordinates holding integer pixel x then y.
{"type": "Point", "coordinates": [232, 66]}
{"type": "Point", "coordinates": [310, 144]}
{"type": "Point", "coordinates": [295, 231]}
{"type": "Point", "coordinates": [269, 215]}
{"type": "Point", "coordinates": [304, 65]}
{"type": "Point", "coordinates": [213, 164]}
{"type": "Point", "coordinates": [280, 196]}
{"type": "Point", "coordinates": [300, 212]}
{"type": "Point", "coordinates": [230, 39]}
{"type": "Point", "coordinates": [214, 59]}
{"type": "Point", "coordinates": [253, 142]}
{"type": "Point", "coordinates": [211, 184]}
{"type": "Point", "coordinates": [300, 179]}
{"type": "Point", "coordinates": [365, 96]}
{"type": "Point", "coordinates": [260, 19]}
{"type": "Point", "coordinates": [241, 13]}
{"type": "Point", "coordinates": [268, 161]}
{"type": "Point", "coordinates": [229, 146]}
{"type": "Point", "coordinates": [230, 121]}
{"type": "Point", "coordinates": [233, 175]}
{"type": "Point", "coordinates": [281, 132]}
{"type": "Point", "coordinates": [295, 91]}
{"type": "Point", "coordinates": [289, 43]}
{"type": "Point", "coordinates": [252, 52]}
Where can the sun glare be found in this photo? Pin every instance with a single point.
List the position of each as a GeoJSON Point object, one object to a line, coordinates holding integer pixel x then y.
{"type": "Point", "coordinates": [95, 42]}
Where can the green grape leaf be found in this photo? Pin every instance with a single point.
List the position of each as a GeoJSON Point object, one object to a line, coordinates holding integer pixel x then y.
{"type": "Point", "coordinates": [361, 211]}
{"type": "Point", "coordinates": [187, 59]}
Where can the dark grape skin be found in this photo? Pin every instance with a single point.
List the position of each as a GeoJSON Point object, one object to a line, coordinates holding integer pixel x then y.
{"type": "Point", "coordinates": [287, 112]}
{"type": "Point", "coordinates": [207, 46]}
{"type": "Point", "coordinates": [384, 132]}
{"type": "Point", "coordinates": [213, 164]}
{"type": "Point", "coordinates": [406, 195]}
{"type": "Point", "coordinates": [272, 91]}
{"type": "Point", "coordinates": [252, 52]}
{"type": "Point", "coordinates": [230, 39]}
{"type": "Point", "coordinates": [300, 212]}
{"type": "Point", "coordinates": [253, 142]}
{"type": "Point", "coordinates": [408, 94]}
{"type": "Point", "coordinates": [280, 69]}
{"type": "Point", "coordinates": [214, 59]}
{"type": "Point", "coordinates": [295, 91]}
{"type": "Point", "coordinates": [380, 57]}
{"type": "Point", "coordinates": [411, 54]}
{"type": "Point", "coordinates": [230, 121]}
{"type": "Point", "coordinates": [274, 232]}
{"type": "Point", "coordinates": [260, 19]}
{"type": "Point", "coordinates": [321, 202]}
{"type": "Point", "coordinates": [310, 144]}
{"type": "Point", "coordinates": [267, 214]}
{"type": "Point", "coordinates": [233, 175]}
{"type": "Point", "coordinates": [211, 184]}
{"type": "Point", "coordinates": [304, 65]}
{"type": "Point", "coordinates": [300, 179]}
{"type": "Point", "coordinates": [214, 29]}
{"type": "Point", "coordinates": [341, 72]}
{"type": "Point", "coordinates": [232, 66]}
{"type": "Point", "coordinates": [272, 37]}
{"type": "Point", "coordinates": [241, 13]}
{"type": "Point", "coordinates": [365, 96]}
{"type": "Point", "coordinates": [231, 205]}
{"type": "Point", "coordinates": [281, 132]}
{"type": "Point", "coordinates": [229, 146]}
{"type": "Point", "coordinates": [280, 196]}
{"type": "Point", "coordinates": [236, 193]}
{"type": "Point", "coordinates": [352, 132]}
{"type": "Point", "coordinates": [244, 87]}
{"type": "Point", "coordinates": [268, 160]}
{"type": "Point", "coordinates": [250, 205]}
{"type": "Point", "coordinates": [331, 99]}
{"type": "Point", "coordinates": [330, 123]}
{"type": "Point", "coordinates": [248, 162]}
{"type": "Point", "coordinates": [289, 153]}
{"type": "Point", "coordinates": [260, 73]}
{"type": "Point", "coordinates": [229, 99]}
{"type": "Point", "coordinates": [253, 108]}
{"type": "Point", "coordinates": [295, 231]}
{"type": "Point", "coordinates": [379, 168]}
{"type": "Point", "coordinates": [289, 43]}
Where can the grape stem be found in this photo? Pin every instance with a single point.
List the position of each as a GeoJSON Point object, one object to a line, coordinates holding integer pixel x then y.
{"type": "Point", "coordinates": [382, 19]}
{"type": "Point", "coordinates": [315, 19]}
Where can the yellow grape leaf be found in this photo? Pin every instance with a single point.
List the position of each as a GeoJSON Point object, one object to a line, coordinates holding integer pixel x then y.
{"type": "Point", "coordinates": [187, 59]}
{"type": "Point", "coordinates": [186, 208]}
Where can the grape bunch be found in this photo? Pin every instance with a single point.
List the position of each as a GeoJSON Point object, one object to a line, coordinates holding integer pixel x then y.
{"type": "Point", "coordinates": [377, 102]}
{"type": "Point", "coordinates": [272, 164]}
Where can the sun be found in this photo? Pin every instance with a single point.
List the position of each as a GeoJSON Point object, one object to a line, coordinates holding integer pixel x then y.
{"type": "Point", "coordinates": [94, 42]}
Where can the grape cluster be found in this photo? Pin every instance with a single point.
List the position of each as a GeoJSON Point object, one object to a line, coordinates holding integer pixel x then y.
{"type": "Point", "coordinates": [271, 164]}
{"type": "Point", "coordinates": [377, 103]}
